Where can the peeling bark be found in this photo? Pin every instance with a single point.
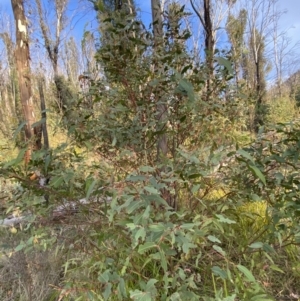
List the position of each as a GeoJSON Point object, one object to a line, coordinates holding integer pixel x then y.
{"type": "Point", "coordinates": [22, 59]}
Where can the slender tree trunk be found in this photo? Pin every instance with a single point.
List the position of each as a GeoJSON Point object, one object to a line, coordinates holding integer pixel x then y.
{"type": "Point", "coordinates": [162, 144]}
{"type": "Point", "coordinates": [44, 114]}
{"type": "Point", "coordinates": [206, 21]}
{"type": "Point", "coordinates": [22, 59]}
{"type": "Point", "coordinates": [161, 107]}
{"type": "Point", "coordinates": [260, 90]}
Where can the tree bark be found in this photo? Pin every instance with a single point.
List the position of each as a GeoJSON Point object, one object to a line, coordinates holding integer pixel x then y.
{"type": "Point", "coordinates": [162, 110]}
{"type": "Point", "coordinates": [161, 106]}
{"type": "Point", "coordinates": [44, 114]}
{"type": "Point", "coordinates": [22, 59]}
{"type": "Point", "coordinates": [206, 21]}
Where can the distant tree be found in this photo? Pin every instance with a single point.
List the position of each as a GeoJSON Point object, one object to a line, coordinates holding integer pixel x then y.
{"type": "Point", "coordinates": [71, 60]}
{"type": "Point", "coordinates": [236, 27]}
{"type": "Point", "coordinates": [260, 17]}
{"type": "Point", "coordinates": [52, 36]}
{"type": "Point", "coordinates": [211, 14]}
{"type": "Point", "coordinates": [10, 106]}
{"type": "Point", "coordinates": [284, 52]}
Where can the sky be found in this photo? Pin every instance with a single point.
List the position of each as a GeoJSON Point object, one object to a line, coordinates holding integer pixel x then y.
{"type": "Point", "coordinates": [86, 20]}
{"type": "Point", "coordinates": [289, 21]}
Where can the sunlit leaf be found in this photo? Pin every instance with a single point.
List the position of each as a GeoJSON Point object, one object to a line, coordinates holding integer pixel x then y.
{"type": "Point", "coordinates": [256, 245]}
{"type": "Point", "coordinates": [246, 272]}
{"type": "Point", "coordinates": [213, 239]}
{"type": "Point", "coordinates": [219, 272]}
{"type": "Point", "coordinates": [226, 63]}
{"type": "Point", "coordinates": [258, 173]}
{"type": "Point", "coordinates": [146, 247]}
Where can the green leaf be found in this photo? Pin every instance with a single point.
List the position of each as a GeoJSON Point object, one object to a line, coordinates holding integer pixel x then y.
{"type": "Point", "coordinates": [90, 189]}
{"type": "Point", "coordinates": [185, 87]}
{"type": "Point", "coordinates": [225, 63]}
{"type": "Point", "coordinates": [219, 272]}
{"type": "Point", "coordinates": [188, 226]}
{"type": "Point", "coordinates": [213, 239]}
{"type": "Point", "coordinates": [256, 245]}
{"type": "Point", "coordinates": [245, 155]}
{"type": "Point", "coordinates": [276, 268]}
{"type": "Point", "coordinates": [125, 266]}
{"type": "Point", "coordinates": [20, 247]}
{"type": "Point", "coordinates": [107, 292]}
{"type": "Point", "coordinates": [219, 250]}
{"type": "Point", "coordinates": [146, 213]}
{"type": "Point", "coordinates": [258, 173]}
{"type": "Point", "coordinates": [146, 247]}
{"type": "Point", "coordinates": [163, 261]}
{"type": "Point", "coordinates": [151, 189]}
{"type": "Point", "coordinates": [246, 272]}
{"type": "Point", "coordinates": [18, 130]}
{"type": "Point", "coordinates": [17, 160]}
{"type": "Point", "coordinates": [157, 227]}
{"type": "Point", "coordinates": [151, 284]}
{"type": "Point", "coordinates": [186, 246]}
{"type": "Point", "coordinates": [146, 169]}
{"type": "Point", "coordinates": [261, 297]}
{"type": "Point", "coordinates": [104, 277]}
{"type": "Point", "coordinates": [122, 288]}
{"type": "Point", "coordinates": [133, 178]}
{"type": "Point", "coordinates": [134, 205]}
{"type": "Point", "coordinates": [138, 295]}
{"type": "Point", "coordinates": [224, 219]}
{"type": "Point", "coordinates": [56, 181]}
{"type": "Point", "coordinates": [230, 298]}
{"type": "Point", "coordinates": [141, 233]}
{"type": "Point", "coordinates": [268, 248]}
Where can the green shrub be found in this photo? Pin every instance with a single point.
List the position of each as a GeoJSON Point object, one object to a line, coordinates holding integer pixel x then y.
{"type": "Point", "coordinates": [281, 110]}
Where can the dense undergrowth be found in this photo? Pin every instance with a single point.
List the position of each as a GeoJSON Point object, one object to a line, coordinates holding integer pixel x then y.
{"type": "Point", "coordinates": [233, 237]}
{"type": "Point", "coordinates": [234, 232]}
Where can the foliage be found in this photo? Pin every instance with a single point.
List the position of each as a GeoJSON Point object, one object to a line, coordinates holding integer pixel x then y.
{"type": "Point", "coordinates": [237, 215]}
{"type": "Point", "coordinates": [281, 110]}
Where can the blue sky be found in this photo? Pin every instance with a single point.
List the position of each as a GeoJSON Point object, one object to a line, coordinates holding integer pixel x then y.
{"type": "Point", "coordinates": [289, 21]}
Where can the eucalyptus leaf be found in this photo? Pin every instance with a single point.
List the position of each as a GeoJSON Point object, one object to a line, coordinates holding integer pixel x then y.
{"type": "Point", "coordinates": [219, 272]}
{"type": "Point", "coordinates": [146, 247]}
{"type": "Point", "coordinates": [249, 276]}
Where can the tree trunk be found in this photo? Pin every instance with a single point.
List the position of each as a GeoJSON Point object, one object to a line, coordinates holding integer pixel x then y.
{"type": "Point", "coordinates": [161, 107]}
{"type": "Point", "coordinates": [22, 59]}
{"type": "Point", "coordinates": [162, 144]}
{"type": "Point", "coordinates": [44, 114]}
{"type": "Point", "coordinates": [206, 21]}
{"type": "Point", "coordinates": [209, 40]}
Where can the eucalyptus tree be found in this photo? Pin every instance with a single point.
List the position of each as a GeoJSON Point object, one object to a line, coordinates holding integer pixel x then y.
{"type": "Point", "coordinates": [162, 110]}
{"type": "Point", "coordinates": [140, 112]}
{"type": "Point", "coordinates": [260, 19]}
{"type": "Point", "coordinates": [52, 36]}
{"type": "Point", "coordinates": [211, 14]}
{"type": "Point", "coordinates": [236, 26]}
{"type": "Point", "coordinates": [10, 106]}
{"type": "Point", "coordinates": [22, 61]}
{"type": "Point", "coordinates": [284, 53]}
{"type": "Point", "coordinates": [71, 60]}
